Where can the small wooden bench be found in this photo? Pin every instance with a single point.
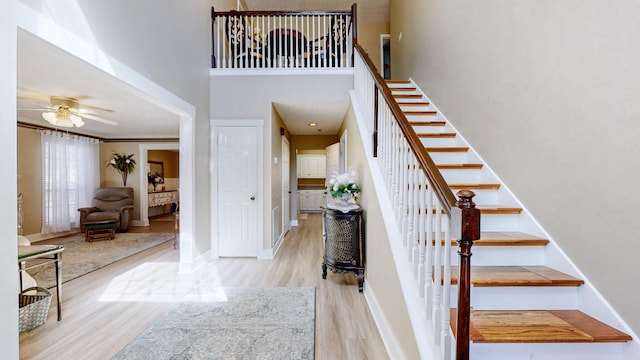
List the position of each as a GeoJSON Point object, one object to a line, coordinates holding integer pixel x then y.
{"type": "Point", "coordinates": [100, 230]}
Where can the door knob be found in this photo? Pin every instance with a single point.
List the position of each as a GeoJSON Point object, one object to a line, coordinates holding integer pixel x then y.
{"type": "Point", "coordinates": [253, 198]}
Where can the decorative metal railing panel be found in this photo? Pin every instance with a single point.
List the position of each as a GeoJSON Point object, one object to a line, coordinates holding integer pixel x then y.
{"type": "Point", "coordinates": [282, 39]}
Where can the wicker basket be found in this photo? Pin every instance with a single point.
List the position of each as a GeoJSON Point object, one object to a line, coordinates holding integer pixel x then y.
{"type": "Point", "coordinates": [33, 309]}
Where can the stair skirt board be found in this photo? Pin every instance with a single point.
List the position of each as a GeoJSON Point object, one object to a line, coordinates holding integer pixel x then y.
{"type": "Point", "coordinates": [563, 306]}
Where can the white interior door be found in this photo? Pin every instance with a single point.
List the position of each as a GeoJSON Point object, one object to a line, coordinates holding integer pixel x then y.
{"type": "Point", "coordinates": [286, 186]}
{"type": "Point", "coordinates": [237, 191]}
{"type": "Point", "coordinates": [333, 166]}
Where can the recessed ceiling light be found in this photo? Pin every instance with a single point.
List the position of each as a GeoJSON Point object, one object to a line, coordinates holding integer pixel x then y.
{"type": "Point", "coordinates": [312, 124]}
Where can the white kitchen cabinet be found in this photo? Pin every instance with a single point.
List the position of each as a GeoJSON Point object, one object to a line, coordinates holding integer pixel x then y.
{"type": "Point", "coordinates": [312, 166]}
{"type": "Point", "coordinates": [311, 200]}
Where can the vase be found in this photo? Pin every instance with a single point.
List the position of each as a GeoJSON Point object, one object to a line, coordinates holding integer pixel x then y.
{"type": "Point", "coordinates": [344, 199]}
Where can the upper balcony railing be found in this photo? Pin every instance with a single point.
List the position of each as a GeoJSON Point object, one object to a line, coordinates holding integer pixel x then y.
{"type": "Point", "coordinates": [283, 39]}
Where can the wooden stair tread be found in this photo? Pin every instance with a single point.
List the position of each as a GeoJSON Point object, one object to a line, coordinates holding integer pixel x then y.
{"type": "Point", "coordinates": [404, 88]}
{"type": "Point", "coordinates": [509, 238]}
{"type": "Point", "coordinates": [428, 123]}
{"type": "Point", "coordinates": [459, 166]}
{"type": "Point", "coordinates": [538, 326]}
{"type": "Point", "coordinates": [498, 209]}
{"type": "Point", "coordinates": [407, 96]}
{"type": "Point", "coordinates": [416, 103]}
{"type": "Point", "coordinates": [420, 113]}
{"type": "Point", "coordinates": [436, 135]}
{"type": "Point", "coordinates": [504, 238]}
{"type": "Point", "coordinates": [496, 276]}
{"type": "Point", "coordinates": [493, 210]}
{"type": "Point", "coordinates": [397, 81]}
{"type": "Point", "coordinates": [474, 186]}
{"type": "Point", "coordinates": [441, 149]}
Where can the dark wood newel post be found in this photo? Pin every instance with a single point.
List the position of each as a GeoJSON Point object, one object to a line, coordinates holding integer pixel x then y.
{"type": "Point", "coordinates": [470, 231]}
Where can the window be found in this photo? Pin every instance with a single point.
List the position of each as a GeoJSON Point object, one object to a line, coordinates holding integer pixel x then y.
{"type": "Point", "coordinates": [70, 173]}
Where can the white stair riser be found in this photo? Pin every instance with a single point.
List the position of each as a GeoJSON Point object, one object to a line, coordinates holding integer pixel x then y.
{"type": "Point", "coordinates": [499, 223]}
{"type": "Point", "coordinates": [503, 255]}
{"type": "Point", "coordinates": [451, 157]}
{"type": "Point", "coordinates": [430, 129]}
{"type": "Point", "coordinates": [545, 351]}
{"type": "Point", "coordinates": [521, 298]}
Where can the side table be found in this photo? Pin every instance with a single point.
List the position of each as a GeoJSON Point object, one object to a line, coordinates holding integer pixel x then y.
{"type": "Point", "coordinates": [343, 242]}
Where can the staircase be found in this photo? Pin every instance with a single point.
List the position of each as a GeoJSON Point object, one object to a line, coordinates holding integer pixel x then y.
{"type": "Point", "coordinates": [527, 299]}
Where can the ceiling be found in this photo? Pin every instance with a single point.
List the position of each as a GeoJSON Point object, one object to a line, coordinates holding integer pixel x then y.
{"type": "Point", "coordinates": [45, 70]}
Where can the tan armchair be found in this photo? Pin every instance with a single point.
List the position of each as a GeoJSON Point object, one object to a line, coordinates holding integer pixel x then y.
{"type": "Point", "coordinates": [110, 204]}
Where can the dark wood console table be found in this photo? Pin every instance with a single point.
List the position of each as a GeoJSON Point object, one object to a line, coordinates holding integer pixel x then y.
{"type": "Point", "coordinates": [343, 242]}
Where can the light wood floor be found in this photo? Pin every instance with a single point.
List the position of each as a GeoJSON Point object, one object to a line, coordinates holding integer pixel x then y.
{"type": "Point", "coordinates": [105, 309]}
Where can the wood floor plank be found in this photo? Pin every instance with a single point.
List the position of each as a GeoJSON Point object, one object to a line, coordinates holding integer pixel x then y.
{"type": "Point", "coordinates": [98, 329]}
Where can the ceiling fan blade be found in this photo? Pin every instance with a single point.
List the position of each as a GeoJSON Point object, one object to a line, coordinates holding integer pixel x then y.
{"type": "Point", "coordinates": [91, 107]}
{"type": "Point", "coordinates": [83, 111]}
{"type": "Point", "coordinates": [28, 94]}
{"type": "Point", "coordinates": [99, 119]}
{"type": "Point", "coordinates": [40, 109]}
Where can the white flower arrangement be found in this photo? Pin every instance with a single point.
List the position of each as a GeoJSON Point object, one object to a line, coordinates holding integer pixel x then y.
{"type": "Point", "coordinates": [345, 184]}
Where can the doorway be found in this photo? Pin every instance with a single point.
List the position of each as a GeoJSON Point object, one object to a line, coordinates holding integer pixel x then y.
{"type": "Point", "coordinates": [385, 54]}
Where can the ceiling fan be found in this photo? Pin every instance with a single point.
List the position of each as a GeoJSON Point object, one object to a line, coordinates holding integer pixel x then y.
{"type": "Point", "coordinates": [67, 112]}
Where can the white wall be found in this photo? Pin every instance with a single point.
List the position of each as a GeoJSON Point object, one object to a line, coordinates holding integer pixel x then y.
{"type": "Point", "coordinates": [161, 48]}
{"type": "Point", "coordinates": [8, 183]}
{"type": "Point", "coordinates": [547, 92]}
{"type": "Point", "coordinates": [251, 97]}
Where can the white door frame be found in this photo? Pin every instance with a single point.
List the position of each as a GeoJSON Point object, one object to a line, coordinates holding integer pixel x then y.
{"type": "Point", "coordinates": [286, 225]}
{"type": "Point", "coordinates": [144, 181]}
{"type": "Point", "coordinates": [259, 125]}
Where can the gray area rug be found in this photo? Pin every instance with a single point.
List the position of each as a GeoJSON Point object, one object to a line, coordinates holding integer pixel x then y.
{"type": "Point", "coordinates": [80, 257]}
{"type": "Point", "coordinates": [242, 323]}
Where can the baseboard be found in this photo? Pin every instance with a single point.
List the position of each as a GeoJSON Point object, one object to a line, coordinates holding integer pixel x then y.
{"type": "Point", "coordinates": [41, 237]}
{"type": "Point", "coordinates": [140, 223]}
{"type": "Point", "coordinates": [294, 222]}
{"type": "Point", "coordinates": [389, 341]}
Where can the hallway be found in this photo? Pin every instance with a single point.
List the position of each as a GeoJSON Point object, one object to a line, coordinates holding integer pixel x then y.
{"type": "Point", "coordinates": [99, 328]}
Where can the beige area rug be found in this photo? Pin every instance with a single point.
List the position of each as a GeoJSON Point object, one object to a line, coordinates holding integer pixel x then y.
{"type": "Point", "coordinates": [80, 257]}
{"type": "Point", "coordinates": [232, 323]}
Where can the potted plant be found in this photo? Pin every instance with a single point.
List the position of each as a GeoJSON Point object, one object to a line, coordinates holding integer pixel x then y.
{"type": "Point", "coordinates": [124, 164]}
{"type": "Point", "coordinates": [344, 187]}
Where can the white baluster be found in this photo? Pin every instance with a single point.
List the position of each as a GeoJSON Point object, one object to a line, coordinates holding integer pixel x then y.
{"type": "Point", "coordinates": [437, 271]}
{"type": "Point", "coordinates": [422, 219]}
{"type": "Point", "coordinates": [446, 291]}
{"type": "Point", "coordinates": [429, 292]}
{"type": "Point", "coordinates": [415, 213]}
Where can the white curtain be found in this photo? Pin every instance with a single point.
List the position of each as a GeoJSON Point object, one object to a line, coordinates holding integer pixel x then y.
{"type": "Point", "coordinates": [70, 174]}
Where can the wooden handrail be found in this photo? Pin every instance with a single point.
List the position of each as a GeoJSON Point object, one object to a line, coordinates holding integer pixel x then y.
{"type": "Point", "coordinates": [278, 12]}
{"type": "Point", "coordinates": [440, 186]}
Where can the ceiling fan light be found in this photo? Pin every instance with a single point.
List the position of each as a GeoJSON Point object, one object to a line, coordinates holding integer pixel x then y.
{"type": "Point", "coordinates": [76, 120]}
{"type": "Point", "coordinates": [50, 116]}
{"type": "Point", "coordinates": [64, 123]}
